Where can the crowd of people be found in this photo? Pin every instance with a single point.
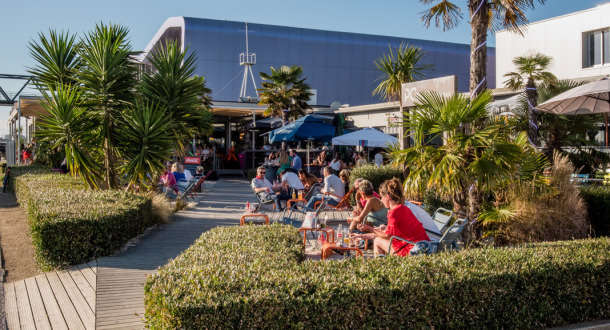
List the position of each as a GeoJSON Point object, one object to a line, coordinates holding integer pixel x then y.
{"type": "Point", "coordinates": [376, 216]}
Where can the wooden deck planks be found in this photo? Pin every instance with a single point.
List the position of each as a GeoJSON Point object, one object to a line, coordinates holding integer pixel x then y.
{"type": "Point", "coordinates": [37, 305]}
{"type": "Point", "coordinates": [63, 299]}
{"type": "Point", "coordinates": [26, 318]}
{"type": "Point", "coordinates": [84, 286]}
{"type": "Point", "coordinates": [85, 312]}
{"type": "Point", "coordinates": [11, 310]}
{"type": "Point", "coordinates": [54, 313]}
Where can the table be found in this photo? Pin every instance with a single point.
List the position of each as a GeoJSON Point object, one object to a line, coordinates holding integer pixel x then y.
{"type": "Point", "coordinates": [295, 200]}
{"type": "Point", "coordinates": [330, 233]}
{"type": "Point", "coordinates": [242, 220]}
{"type": "Point", "coordinates": [329, 246]}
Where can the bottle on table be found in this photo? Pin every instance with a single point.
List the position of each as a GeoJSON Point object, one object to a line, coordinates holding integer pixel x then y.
{"type": "Point", "coordinates": [340, 238]}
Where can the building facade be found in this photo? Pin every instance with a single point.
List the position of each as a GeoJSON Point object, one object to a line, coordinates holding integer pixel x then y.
{"type": "Point", "coordinates": [579, 44]}
{"type": "Point", "coordinates": [339, 66]}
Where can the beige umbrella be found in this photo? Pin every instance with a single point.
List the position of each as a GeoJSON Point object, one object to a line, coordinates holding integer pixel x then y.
{"type": "Point", "coordinates": [591, 98]}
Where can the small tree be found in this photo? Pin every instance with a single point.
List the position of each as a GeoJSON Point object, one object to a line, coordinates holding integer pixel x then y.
{"type": "Point", "coordinates": [284, 92]}
{"type": "Point", "coordinates": [531, 71]}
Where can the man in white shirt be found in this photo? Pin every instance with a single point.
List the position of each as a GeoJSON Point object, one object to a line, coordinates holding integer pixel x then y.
{"type": "Point", "coordinates": [291, 181]}
{"type": "Point", "coordinates": [333, 185]}
{"type": "Point", "coordinates": [265, 191]}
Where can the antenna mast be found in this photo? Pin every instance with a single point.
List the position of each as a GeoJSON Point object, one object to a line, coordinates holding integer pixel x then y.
{"type": "Point", "coordinates": [247, 59]}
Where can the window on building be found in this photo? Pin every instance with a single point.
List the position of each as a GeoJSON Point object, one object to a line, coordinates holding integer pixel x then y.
{"type": "Point", "coordinates": [597, 48]}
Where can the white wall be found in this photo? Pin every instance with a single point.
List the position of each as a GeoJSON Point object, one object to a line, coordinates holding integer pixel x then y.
{"type": "Point", "coordinates": [560, 38]}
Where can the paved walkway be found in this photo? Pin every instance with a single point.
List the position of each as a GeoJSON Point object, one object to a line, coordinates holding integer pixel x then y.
{"type": "Point", "coordinates": [108, 293]}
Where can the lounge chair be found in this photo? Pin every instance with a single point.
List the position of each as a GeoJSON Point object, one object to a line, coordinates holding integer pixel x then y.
{"type": "Point", "coordinates": [441, 217]}
{"type": "Point", "coordinates": [447, 241]}
{"type": "Point", "coordinates": [343, 203]}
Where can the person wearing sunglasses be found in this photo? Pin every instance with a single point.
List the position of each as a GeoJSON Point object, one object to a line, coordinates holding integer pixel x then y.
{"type": "Point", "coordinates": [401, 223]}
{"type": "Point", "coordinates": [265, 191]}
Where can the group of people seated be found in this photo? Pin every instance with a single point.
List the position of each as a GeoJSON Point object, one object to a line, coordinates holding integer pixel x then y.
{"type": "Point", "coordinates": [378, 217]}
{"type": "Point", "coordinates": [175, 176]}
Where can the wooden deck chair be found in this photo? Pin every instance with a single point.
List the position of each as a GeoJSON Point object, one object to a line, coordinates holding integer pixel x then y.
{"type": "Point", "coordinates": [447, 241]}
{"type": "Point", "coordinates": [185, 191]}
{"type": "Point", "coordinates": [343, 203]}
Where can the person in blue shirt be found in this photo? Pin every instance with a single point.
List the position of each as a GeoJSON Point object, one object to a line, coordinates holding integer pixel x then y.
{"type": "Point", "coordinates": [296, 164]}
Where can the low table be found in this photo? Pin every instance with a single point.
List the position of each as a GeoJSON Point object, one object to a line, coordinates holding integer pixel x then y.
{"type": "Point", "coordinates": [242, 220]}
{"type": "Point", "coordinates": [330, 233]}
{"type": "Point", "coordinates": [297, 200]}
{"type": "Point", "coordinates": [328, 246]}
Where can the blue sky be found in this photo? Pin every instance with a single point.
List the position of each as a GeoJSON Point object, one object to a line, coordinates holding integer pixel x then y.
{"type": "Point", "coordinates": [22, 20]}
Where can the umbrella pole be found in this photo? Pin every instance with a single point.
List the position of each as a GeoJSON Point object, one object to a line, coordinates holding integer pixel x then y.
{"type": "Point", "coordinates": [606, 129]}
{"type": "Point", "coordinates": [308, 162]}
{"type": "Point", "coordinates": [606, 115]}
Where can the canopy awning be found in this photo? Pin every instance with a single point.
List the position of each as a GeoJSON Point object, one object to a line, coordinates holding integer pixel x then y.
{"type": "Point", "coordinates": [30, 107]}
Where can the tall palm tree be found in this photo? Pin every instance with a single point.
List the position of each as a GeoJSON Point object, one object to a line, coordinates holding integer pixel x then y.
{"type": "Point", "coordinates": [484, 15]}
{"type": "Point", "coordinates": [284, 92]}
{"type": "Point", "coordinates": [531, 71]}
{"type": "Point", "coordinates": [184, 97]}
{"type": "Point", "coordinates": [469, 162]}
{"type": "Point", "coordinates": [398, 68]}
{"type": "Point", "coordinates": [108, 78]}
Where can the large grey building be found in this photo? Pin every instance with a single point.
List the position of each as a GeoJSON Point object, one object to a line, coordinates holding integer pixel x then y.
{"type": "Point", "coordinates": [339, 66]}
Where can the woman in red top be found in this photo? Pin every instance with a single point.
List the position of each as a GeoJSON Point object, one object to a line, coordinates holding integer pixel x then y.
{"type": "Point", "coordinates": [401, 223]}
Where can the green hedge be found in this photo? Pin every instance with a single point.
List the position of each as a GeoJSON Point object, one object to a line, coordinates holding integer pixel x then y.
{"type": "Point", "coordinates": [597, 199]}
{"type": "Point", "coordinates": [376, 174]}
{"type": "Point", "coordinates": [71, 224]}
{"type": "Point", "coordinates": [255, 277]}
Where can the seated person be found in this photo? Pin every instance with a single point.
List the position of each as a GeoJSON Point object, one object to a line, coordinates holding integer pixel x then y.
{"type": "Point", "coordinates": [344, 176]}
{"type": "Point", "coordinates": [321, 159]}
{"type": "Point", "coordinates": [291, 182]}
{"type": "Point", "coordinates": [179, 174]}
{"type": "Point", "coordinates": [309, 180]}
{"type": "Point", "coordinates": [187, 173]}
{"type": "Point", "coordinates": [265, 191]}
{"type": "Point", "coordinates": [360, 200]}
{"type": "Point", "coordinates": [401, 223]}
{"type": "Point", "coordinates": [169, 182]}
{"type": "Point", "coordinates": [374, 213]}
{"type": "Point", "coordinates": [199, 171]}
{"type": "Point", "coordinates": [333, 185]}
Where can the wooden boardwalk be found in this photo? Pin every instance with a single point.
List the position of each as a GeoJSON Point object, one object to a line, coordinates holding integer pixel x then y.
{"type": "Point", "coordinates": [54, 300]}
{"type": "Point", "coordinates": [109, 292]}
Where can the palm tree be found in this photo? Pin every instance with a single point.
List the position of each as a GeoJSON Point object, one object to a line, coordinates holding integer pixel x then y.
{"type": "Point", "coordinates": [65, 125]}
{"type": "Point", "coordinates": [531, 71]}
{"type": "Point", "coordinates": [174, 86]}
{"type": "Point", "coordinates": [475, 156]}
{"type": "Point", "coordinates": [108, 78]}
{"type": "Point", "coordinates": [57, 59]}
{"type": "Point", "coordinates": [284, 92]}
{"type": "Point", "coordinates": [484, 15]}
{"type": "Point", "coordinates": [399, 68]}
{"type": "Point", "coordinates": [145, 143]}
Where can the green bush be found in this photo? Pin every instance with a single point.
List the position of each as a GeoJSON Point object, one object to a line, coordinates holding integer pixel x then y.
{"type": "Point", "coordinates": [255, 277]}
{"type": "Point", "coordinates": [597, 199]}
{"type": "Point", "coordinates": [377, 175]}
{"type": "Point", "coordinates": [251, 174]}
{"type": "Point", "coordinates": [70, 224]}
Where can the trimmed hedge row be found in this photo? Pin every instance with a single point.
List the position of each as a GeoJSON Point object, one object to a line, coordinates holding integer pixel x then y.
{"type": "Point", "coordinates": [597, 199]}
{"type": "Point", "coordinates": [255, 277]}
{"type": "Point", "coordinates": [70, 224]}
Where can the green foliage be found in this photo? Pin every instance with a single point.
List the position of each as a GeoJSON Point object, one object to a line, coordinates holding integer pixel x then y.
{"type": "Point", "coordinates": [56, 57]}
{"type": "Point", "coordinates": [431, 202]}
{"type": "Point", "coordinates": [597, 199]}
{"type": "Point", "coordinates": [251, 174]}
{"type": "Point", "coordinates": [284, 92]}
{"type": "Point", "coordinates": [399, 67]}
{"type": "Point", "coordinates": [255, 277]}
{"type": "Point", "coordinates": [71, 224]}
{"type": "Point", "coordinates": [377, 175]}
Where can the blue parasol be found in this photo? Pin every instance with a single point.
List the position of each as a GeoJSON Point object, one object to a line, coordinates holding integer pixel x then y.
{"type": "Point", "coordinates": [303, 129]}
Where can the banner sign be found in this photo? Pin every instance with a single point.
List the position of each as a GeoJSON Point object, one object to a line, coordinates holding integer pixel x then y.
{"type": "Point", "coordinates": [409, 91]}
{"type": "Point", "coordinates": [192, 160]}
{"type": "Point", "coordinates": [363, 143]}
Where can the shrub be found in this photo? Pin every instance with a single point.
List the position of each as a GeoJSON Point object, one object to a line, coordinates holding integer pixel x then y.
{"type": "Point", "coordinates": [377, 175]}
{"type": "Point", "coordinates": [597, 200]}
{"type": "Point", "coordinates": [255, 277]}
{"type": "Point", "coordinates": [251, 174]}
{"type": "Point", "coordinates": [70, 224]}
{"type": "Point", "coordinates": [528, 212]}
